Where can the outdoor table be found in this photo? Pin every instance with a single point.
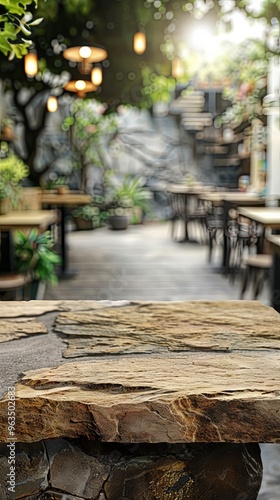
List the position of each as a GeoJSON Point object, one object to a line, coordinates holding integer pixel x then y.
{"type": "Point", "coordinates": [267, 216]}
{"type": "Point", "coordinates": [63, 201]}
{"type": "Point", "coordinates": [140, 399]}
{"type": "Point", "coordinates": [21, 220]}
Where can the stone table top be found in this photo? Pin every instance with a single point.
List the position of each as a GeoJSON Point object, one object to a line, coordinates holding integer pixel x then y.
{"type": "Point", "coordinates": [172, 372]}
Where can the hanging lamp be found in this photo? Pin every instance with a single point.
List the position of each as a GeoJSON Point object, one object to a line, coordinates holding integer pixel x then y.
{"type": "Point", "coordinates": [96, 75]}
{"type": "Point", "coordinates": [86, 55]}
{"type": "Point", "coordinates": [31, 64]}
{"type": "Point", "coordinates": [81, 87]}
{"type": "Point", "coordinates": [52, 104]}
{"type": "Point", "coordinates": [139, 43]}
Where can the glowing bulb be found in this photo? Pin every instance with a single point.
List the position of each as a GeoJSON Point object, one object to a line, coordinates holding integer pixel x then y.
{"type": "Point", "coordinates": [80, 85]}
{"type": "Point", "coordinates": [31, 64]}
{"type": "Point", "coordinates": [52, 104]}
{"type": "Point", "coordinates": [96, 76]}
{"type": "Point", "coordinates": [139, 43]}
{"type": "Point", "coordinates": [85, 52]}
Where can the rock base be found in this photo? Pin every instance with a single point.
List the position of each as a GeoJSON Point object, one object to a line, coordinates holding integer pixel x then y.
{"type": "Point", "coordinates": [80, 469]}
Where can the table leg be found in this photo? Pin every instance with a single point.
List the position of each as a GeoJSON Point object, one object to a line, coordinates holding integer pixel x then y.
{"type": "Point", "coordinates": [7, 252]}
{"type": "Point", "coordinates": [65, 271]}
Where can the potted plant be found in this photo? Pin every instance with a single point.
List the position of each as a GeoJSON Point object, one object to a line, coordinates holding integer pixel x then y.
{"type": "Point", "coordinates": [90, 217]}
{"type": "Point", "coordinates": [7, 129]}
{"type": "Point", "coordinates": [58, 184]}
{"type": "Point", "coordinates": [12, 171]}
{"type": "Point", "coordinates": [34, 255]}
{"type": "Point", "coordinates": [132, 202]}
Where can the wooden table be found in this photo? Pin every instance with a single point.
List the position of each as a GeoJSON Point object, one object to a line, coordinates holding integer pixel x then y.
{"type": "Point", "coordinates": [164, 397]}
{"type": "Point", "coordinates": [21, 219]}
{"type": "Point", "coordinates": [63, 201]}
{"type": "Point", "coordinates": [219, 197]}
{"type": "Point", "coordinates": [267, 216]}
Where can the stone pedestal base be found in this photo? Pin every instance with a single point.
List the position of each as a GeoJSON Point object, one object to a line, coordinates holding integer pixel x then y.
{"type": "Point", "coordinates": [81, 469]}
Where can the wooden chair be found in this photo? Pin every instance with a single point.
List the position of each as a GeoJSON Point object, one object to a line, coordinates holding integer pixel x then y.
{"type": "Point", "coordinates": [256, 268]}
{"type": "Point", "coordinates": [12, 285]}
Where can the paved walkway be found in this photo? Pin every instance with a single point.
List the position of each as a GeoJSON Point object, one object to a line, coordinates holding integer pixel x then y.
{"type": "Point", "coordinates": [143, 263]}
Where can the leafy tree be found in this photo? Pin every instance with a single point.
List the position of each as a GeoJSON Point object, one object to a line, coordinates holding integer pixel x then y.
{"type": "Point", "coordinates": [247, 71]}
{"type": "Point", "coordinates": [16, 22]}
{"type": "Point", "coordinates": [91, 131]}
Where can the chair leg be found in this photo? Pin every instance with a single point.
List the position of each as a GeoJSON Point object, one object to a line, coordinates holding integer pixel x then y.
{"type": "Point", "coordinates": [262, 276]}
{"type": "Point", "coordinates": [246, 275]}
{"type": "Point", "coordinates": [173, 224]}
{"type": "Point", "coordinates": [210, 245]}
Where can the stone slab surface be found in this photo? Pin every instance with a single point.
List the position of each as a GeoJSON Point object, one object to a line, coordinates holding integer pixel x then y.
{"type": "Point", "coordinates": [181, 398]}
{"type": "Point", "coordinates": [205, 372]}
{"type": "Point", "coordinates": [38, 307]}
{"type": "Point", "coordinates": [180, 326]}
{"type": "Point", "coordinates": [20, 327]}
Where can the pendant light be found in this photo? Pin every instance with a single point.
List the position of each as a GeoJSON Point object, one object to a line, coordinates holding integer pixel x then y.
{"type": "Point", "coordinates": [139, 43]}
{"type": "Point", "coordinates": [86, 55]}
{"type": "Point", "coordinates": [52, 104]}
{"type": "Point", "coordinates": [96, 76]}
{"type": "Point", "coordinates": [31, 64]}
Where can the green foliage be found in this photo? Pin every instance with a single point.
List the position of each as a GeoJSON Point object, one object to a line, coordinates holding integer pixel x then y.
{"type": "Point", "coordinates": [89, 127]}
{"type": "Point", "coordinates": [156, 88]}
{"type": "Point", "coordinates": [246, 69]}
{"type": "Point", "coordinates": [16, 23]}
{"type": "Point", "coordinates": [91, 131]}
{"type": "Point", "coordinates": [34, 255]}
{"type": "Point", "coordinates": [131, 193]}
{"type": "Point", "coordinates": [60, 181]}
{"type": "Point", "coordinates": [97, 215]}
{"type": "Point", "coordinates": [12, 171]}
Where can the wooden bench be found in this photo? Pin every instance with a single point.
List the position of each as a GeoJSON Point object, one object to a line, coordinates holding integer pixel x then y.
{"type": "Point", "coordinates": [168, 399]}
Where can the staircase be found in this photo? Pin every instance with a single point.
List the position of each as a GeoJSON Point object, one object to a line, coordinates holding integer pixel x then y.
{"type": "Point", "coordinates": [196, 112]}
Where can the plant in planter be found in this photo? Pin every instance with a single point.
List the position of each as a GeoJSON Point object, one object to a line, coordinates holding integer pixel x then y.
{"type": "Point", "coordinates": [58, 184]}
{"type": "Point", "coordinates": [7, 129]}
{"type": "Point", "coordinates": [12, 171]}
{"type": "Point", "coordinates": [131, 201]}
{"type": "Point", "coordinates": [34, 255]}
{"type": "Point", "coordinates": [90, 217]}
